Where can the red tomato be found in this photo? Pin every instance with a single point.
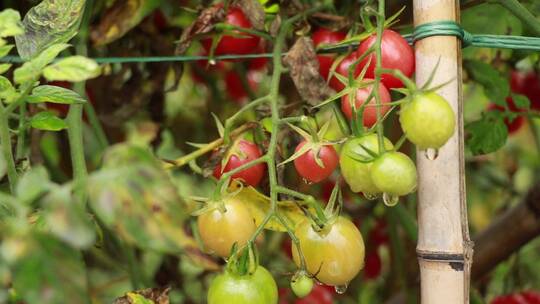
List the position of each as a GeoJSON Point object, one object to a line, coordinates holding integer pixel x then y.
{"type": "Point", "coordinates": [378, 235]}
{"type": "Point", "coordinates": [160, 20]}
{"type": "Point", "coordinates": [229, 44]}
{"type": "Point", "coordinates": [396, 54]}
{"type": "Point", "coordinates": [509, 299]}
{"type": "Point", "coordinates": [260, 63]}
{"type": "Point", "coordinates": [527, 84]}
{"type": "Point", "coordinates": [343, 69]}
{"type": "Point", "coordinates": [373, 265]}
{"type": "Point", "coordinates": [246, 152]}
{"type": "Point", "coordinates": [307, 167]}
{"type": "Point", "coordinates": [532, 296]}
{"type": "Point", "coordinates": [514, 125]}
{"type": "Point", "coordinates": [235, 88]}
{"type": "Point", "coordinates": [320, 294]}
{"type": "Point", "coordinates": [325, 36]}
{"type": "Point", "coordinates": [370, 112]}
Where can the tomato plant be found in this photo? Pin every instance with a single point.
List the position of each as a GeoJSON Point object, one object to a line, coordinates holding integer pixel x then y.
{"type": "Point", "coordinates": [322, 37]}
{"type": "Point", "coordinates": [242, 152]}
{"type": "Point", "coordinates": [342, 67]}
{"type": "Point", "coordinates": [317, 163]}
{"type": "Point", "coordinates": [394, 173]}
{"type": "Point", "coordinates": [369, 112]}
{"type": "Point", "coordinates": [258, 287]}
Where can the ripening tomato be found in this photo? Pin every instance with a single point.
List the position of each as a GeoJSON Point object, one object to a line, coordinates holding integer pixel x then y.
{"type": "Point", "coordinates": [324, 36]}
{"type": "Point", "coordinates": [243, 152]}
{"type": "Point", "coordinates": [342, 68]}
{"type": "Point", "coordinates": [394, 173]}
{"type": "Point", "coordinates": [373, 265]}
{"type": "Point", "coordinates": [528, 84]}
{"type": "Point", "coordinates": [235, 88]}
{"type": "Point", "coordinates": [258, 287]}
{"type": "Point", "coordinates": [308, 168]}
{"type": "Point", "coordinates": [355, 171]}
{"type": "Point", "coordinates": [320, 294]}
{"type": "Point", "coordinates": [240, 43]}
{"type": "Point", "coordinates": [334, 255]}
{"type": "Point", "coordinates": [369, 115]}
{"type": "Point", "coordinates": [396, 54]}
{"type": "Point", "coordinates": [428, 121]}
{"type": "Point", "coordinates": [512, 125]}
{"type": "Point", "coordinates": [220, 230]}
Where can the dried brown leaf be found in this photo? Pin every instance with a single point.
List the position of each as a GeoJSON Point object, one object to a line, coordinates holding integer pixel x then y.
{"type": "Point", "coordinates": [158, 295]}
{"type": "Point", "coordinates": [275, 26]}
{"type": "Point", "coordinates": [304, 71]}
{"type": "Point", "coordinates": [254, 11]}
{"type": "Point", "coordinates": [204, 24]}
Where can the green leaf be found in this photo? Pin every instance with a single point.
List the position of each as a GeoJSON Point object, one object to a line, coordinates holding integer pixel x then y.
{"type": "Point", "coordinates": [32, 69]}
{"type": "Point", "coordinates": [7, 91]}
{"type": "Point", "coordinates": [487, 134]}
{"type": "Point", "coordinates": [74, 69]}
{"type": "Point", "coordinates": [138, 299]}
{"type": "Point", "coordinates": [32, 184]}
{"type": "Point", "coordinates": [495, 84]}
{"type": "Point", "coordinates": [521, 101]}
{"type": "Point", "coordinates": [48, 23]}
{"type": "Point", "coordinates": [10, 23]}
{"type": "Point", "coordinates": [4, 67]}
{"type": "Point", "coordinates": [47, 121]}
{"type": "Point", "coordinates": [54, 94]}
{"type": "Point", "coordinates": [4, 50]}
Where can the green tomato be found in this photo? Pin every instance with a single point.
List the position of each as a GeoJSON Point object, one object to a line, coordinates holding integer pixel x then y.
{"type": "Point", "coordinates": [229, 288]}
{"type": "Point", "coordinates": [394, 173]}
{"type": "Point", "coordinates": [357, 173]}
{"type": "Point", "coordinates": [301, 284]}
{"type": "Point", "coordinates": [428, 121]}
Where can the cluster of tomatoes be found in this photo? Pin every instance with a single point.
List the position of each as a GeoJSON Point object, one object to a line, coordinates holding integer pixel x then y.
{"type": "Point", "coordinates": [525, 297]}
{"type": "Point", "coordinates": [331, 252]}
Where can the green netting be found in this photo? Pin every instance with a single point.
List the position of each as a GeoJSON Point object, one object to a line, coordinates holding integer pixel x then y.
{"type": "Point", "coordinates": [438, 28]}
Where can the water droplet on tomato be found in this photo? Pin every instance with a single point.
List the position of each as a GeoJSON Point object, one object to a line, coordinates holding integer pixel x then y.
{"type": "Point", "coordinates": [431, 154]}
{"type": "Point", "coordinates": [370, 196]}
{"type": "Point", "coordinates": [340, 289]}
{"type": "Point", "coordinates": [390, 200]}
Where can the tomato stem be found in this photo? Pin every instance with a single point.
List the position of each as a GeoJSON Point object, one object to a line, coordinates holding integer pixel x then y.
{"type": "Point", "coordinates": [378, 64]}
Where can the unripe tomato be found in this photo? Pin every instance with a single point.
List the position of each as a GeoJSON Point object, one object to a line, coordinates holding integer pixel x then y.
{"type": "Point", "coordinates": [373, 265]}
{"type": "Point", "coordinates": [396, 54]}
{"type": "Point", "coordinates": [319, 295]}
{"type": "Point", "coordinates": [428, 121]}
{"type": "Point", "coordinates": [246, 152]}
{"type": "Point", "coordinates": [324, 36]}
{"type": "Point", "coordinates": [343, 69]}
{"type": "Point", "coordinates": [357, 174]}
{"type": "Point", "coordinates": [512, 125]}
{"type": "Point", "coordinates": [301, 284]}
{"type": "Point", "coordinates": [335, 254]}
{"type": "Point", "coordinates": [394, 173]}
{"type": "Point", "coordinates": [370, 111]}
{"type": "Point", "coordinates": [528, 84]}
{"type": "Point", "coordinates": [259, 287]}
{"type": "Point", "coordinates": [307, 167]}
{"type": "Point", "coordinates": [220, 230]}
{"type": "Point", "coordinates": [240, 43]}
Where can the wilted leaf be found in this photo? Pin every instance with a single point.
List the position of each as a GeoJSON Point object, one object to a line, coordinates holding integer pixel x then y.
{"type": "Point", "coordinates": [121, 17]}
{"type": "Point", "coordinates": [253, 10]}
{"type": "Point", "coordinates": [74, 69]}
{"type": "Point", "coordinates": [149, 295]}
{"type": "Point", "coordinates": [10, 23]}
{"type": "Point", "coordinates": [487, 134]}
{"type": "Point", "coordinates": [47, 121]}
{"type": "Point", "coordinates": [204, 24]}
{"type": "Point", "coordinates": [48, 23]}
{"type": "Point", "coordinates": [54, 94]}
{"type": "Point", "coordinates": [304, 70]}
{"type": "Point", "coordinates": [32, 69]}
{"type": "Point", "coordinates": [46, 270]}
{"type": "Point", "coordinates": [495, 84]}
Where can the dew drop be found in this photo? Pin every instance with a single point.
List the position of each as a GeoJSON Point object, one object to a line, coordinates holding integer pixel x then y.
{"type": "Point", "coordinates": [370, 196]}
{"type": "Point", "coordinates": [390, 200]}
{"type": "Point", "coordinates": [212, 62]}
{"type": "Point", "coordinates": [340, 289]}
{"type": "Point", "coordinates": [431, 154]}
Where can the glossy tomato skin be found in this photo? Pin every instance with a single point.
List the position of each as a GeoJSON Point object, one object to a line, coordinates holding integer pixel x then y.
{"type": "Point", "coordinates": [528, 84]}
{"type": "Point", "coordinates": [357, 174]}
{"type": "Point", "coordinates": [342, 68]}
{"type": "Point", "coordinates": [220, 230]}
{"type": "Point", "coordinates": [335, 254]}
{"type": "Point", "coordinates": [319, 295]}
{"type": "Point", "coordinates": [232, 44]}
{"type": "Point", "coordinates": [259, 287]}
{"type": "Point", "coordinates": [307, 167]}
{"type": "Point", "coordinates": [370, 112]}
{"type": "Point", "coordinates": [248, 151]}
{"type": "Point", "coordinates": [235, 88]}
{"type": "Point", "coordinates": [326, 37]}
{"type": "Point", "coordinates": [396, 54]}
{"type": "Point", "coordinates": [394, 173]}
{"type": "Point", "coordinates": [512, 125]}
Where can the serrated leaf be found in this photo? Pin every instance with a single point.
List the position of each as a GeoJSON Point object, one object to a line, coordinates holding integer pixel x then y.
{"type": "Point", "coordinates": [495, 84]}
{"type": "Point", "coordinates": [4, 50]}
{"type": "Point", "coordinates": [486, 135]}
{"type": "Point", "coordinates": [54, 94]}
{"type": "Point", "coordinates": [4, 67]}
{"type": "Point", "coordinates": [521, 101]}
{"type": "Point", "coordinates": [32, 69]}
{"type": "Point", "coordinates": [47, 121]}
{"type": "Point", "coordinates": [10, 23]}
{"type": "Point", "coordinates": [74, 69]}
{"type": "Point", "coordinates": [48, 23]}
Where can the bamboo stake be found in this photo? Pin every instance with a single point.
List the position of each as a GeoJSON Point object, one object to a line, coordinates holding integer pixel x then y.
{"type": "Point", "coordinates": [444, 248]}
